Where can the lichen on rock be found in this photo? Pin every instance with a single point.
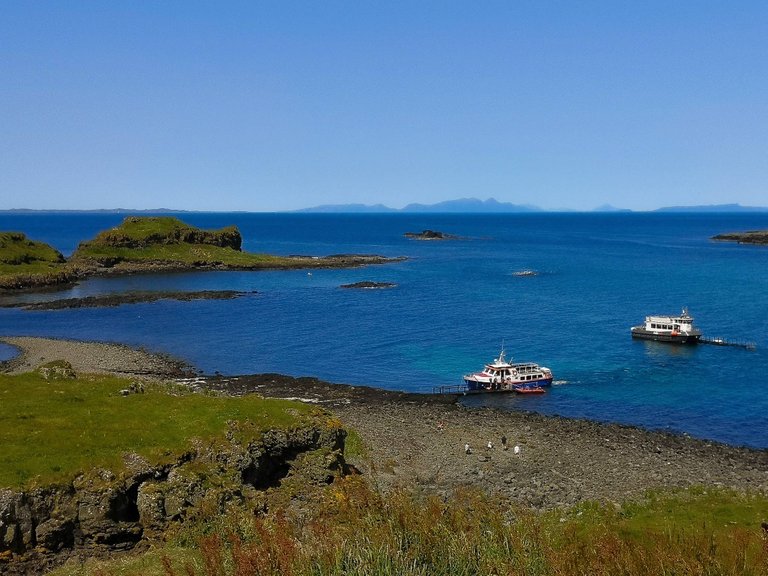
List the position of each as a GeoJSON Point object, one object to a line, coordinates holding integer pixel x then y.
{"type": "Point", "coordinates": [57, 370]}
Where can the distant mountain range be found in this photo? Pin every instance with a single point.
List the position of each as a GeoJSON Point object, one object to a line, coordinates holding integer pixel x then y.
{"type": "Point", "coordinates": [462, 205]}
{"type": "Point", "coordinates": [491, 205]}
{"type": "Point", "coordinates": [714, 208]}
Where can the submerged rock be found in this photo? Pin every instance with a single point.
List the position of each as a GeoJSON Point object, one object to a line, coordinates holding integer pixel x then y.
{"type": "Point", "coordinates": [112, 300]}
{"type": "Point", "coordinates": [430, 235]}
{"type": "Point", "coordinates": [370, 285]}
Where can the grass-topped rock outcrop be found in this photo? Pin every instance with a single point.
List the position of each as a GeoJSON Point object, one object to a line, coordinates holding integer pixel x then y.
{"type": "Point", "coordinates": [100, 462]}
{"type": "Point", "coordinates": [144, 232]}
{"type": "Point", "coordinates": [141, 242]}
{"type": "Point", "coordinates": [25, 262]}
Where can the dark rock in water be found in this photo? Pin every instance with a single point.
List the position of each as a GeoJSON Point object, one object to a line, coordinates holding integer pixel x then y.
{"type": "Point", "coordinates": [111, 300]}
{"type": "Point", "coordinates": [430, 235]}
{"type": "Point", "coordinates": [750, 237]}
{"type": "Point", "coordinates": [368, 284]}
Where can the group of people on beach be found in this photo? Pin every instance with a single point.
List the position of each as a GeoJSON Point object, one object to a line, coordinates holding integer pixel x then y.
{"type": "Point", "coordinates": [504, 446]}
{"type": "Point", "coordinates": [468, 448]}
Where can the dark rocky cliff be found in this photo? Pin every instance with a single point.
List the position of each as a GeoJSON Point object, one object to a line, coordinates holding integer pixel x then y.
{"type": "Point", "coordinates": [101, 511]}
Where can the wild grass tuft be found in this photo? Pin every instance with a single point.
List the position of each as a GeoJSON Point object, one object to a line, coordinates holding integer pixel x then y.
{"type": "Point", "coordinates": [356, 531]}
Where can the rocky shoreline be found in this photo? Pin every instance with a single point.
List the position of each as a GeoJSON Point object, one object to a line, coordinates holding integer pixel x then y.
{"type": "Point", "coordinates": [118, 299]}
{"type": "Point", "coordinates": [750, 237]}
{"type": "Point", "coordinates": [418, 440]}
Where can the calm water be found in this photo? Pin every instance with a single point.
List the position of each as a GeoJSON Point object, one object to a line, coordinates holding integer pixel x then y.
{"type": "Point", "coordinates": [456, 302]}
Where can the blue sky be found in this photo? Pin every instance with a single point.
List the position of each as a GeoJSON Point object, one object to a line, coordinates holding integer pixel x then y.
{"type": "Point", "coordinates": [279, 105]}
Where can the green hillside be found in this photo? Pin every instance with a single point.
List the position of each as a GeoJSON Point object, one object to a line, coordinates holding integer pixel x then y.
{"type": "Point", "coordinates": [26, 262]}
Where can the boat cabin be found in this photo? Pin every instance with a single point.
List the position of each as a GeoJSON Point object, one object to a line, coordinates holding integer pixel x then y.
{"type": "Point", "coordinates": [675, 324]}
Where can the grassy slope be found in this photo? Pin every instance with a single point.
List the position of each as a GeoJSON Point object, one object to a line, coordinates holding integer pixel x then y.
{"type": "Point", "coordinates": [143, 228]}
{"type": "Point", "coordinates": [19, 255]}
{"type": "Point", "coordinates": [187, 254]}
{"type": "Point", "coordinates": [50, 430]}
{"type": "Point", "coordinates": [354, 531]}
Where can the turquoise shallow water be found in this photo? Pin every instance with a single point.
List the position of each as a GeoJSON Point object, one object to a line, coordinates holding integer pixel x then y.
{"type": "Point", "coordinates": [456, 302]}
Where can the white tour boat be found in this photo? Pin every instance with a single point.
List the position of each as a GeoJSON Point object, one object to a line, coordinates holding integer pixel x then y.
{"type": "Point", "coordinates": [503, 376]}
{"type": "Point", "coordinates": [677, 329]}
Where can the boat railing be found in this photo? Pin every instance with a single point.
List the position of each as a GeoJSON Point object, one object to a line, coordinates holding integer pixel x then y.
{"type": "Point", "coordinates": [724, 342]}
{"type": "Point", "coordinates": [450, 389]}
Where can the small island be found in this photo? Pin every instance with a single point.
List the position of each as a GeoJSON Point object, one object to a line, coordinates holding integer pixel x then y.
{"type": "Point", "coordinates": [141, 245]}
{"type": "Point", "coordinates": [368, 285]}
{"type": "Point", "coordinates": [749, 237]}
{"type": "Point", "coordinates": [430, 235]}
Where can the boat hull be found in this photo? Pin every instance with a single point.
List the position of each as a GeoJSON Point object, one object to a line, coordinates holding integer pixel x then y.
{"type": "Point", "coordinates": [642, 334]}
{"type": "Point", "coordinates": [513, 386]}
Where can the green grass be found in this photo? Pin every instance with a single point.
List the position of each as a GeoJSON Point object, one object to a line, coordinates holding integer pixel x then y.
{"type": "Point", "coordinates": [354, 446]}
{"type": "Point", "coordinates": [22, 258]}
{"type": "Point", "coordinates": [188, 254]}
{"type": "Point", "coordinates": [16, 249]}
{"type": "Point", "coordinates": [51, 430]}
{"type": "Point", "coordinates": [144, 228]}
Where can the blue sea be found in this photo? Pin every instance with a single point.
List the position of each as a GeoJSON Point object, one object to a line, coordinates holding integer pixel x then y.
{"type": "Point", "coordinates": [457, 302]}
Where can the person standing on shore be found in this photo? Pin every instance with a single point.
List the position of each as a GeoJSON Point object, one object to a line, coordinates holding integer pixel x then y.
{"type": "Point", "coordinates": [503, 442]}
